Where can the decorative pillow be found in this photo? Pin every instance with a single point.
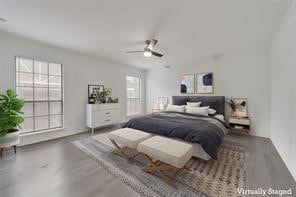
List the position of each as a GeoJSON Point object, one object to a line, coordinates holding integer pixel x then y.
{"type": "Point", "coordinates": [193, 104]}
{"type": "Point", "coordinates": [211, 111]}
{"type": "Point", "coordinates": [198, 110]}
{"type": "Point", "coordinates": [220, 117]}
{"type": "Point", "coordinates": [176, 108]}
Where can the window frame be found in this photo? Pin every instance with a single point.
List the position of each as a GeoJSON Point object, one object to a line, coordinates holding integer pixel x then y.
{"type": "Point", "coordinates": [140, 96]}
{"type": "Point", "coordinates": [62, 114]}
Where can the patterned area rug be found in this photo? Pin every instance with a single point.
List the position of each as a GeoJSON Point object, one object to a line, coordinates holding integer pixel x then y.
{"type": "Point", "coordinates": [206, 178]}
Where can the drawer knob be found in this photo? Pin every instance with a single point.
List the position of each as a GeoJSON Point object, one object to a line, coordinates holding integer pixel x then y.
{"type": "Point", "coordinates": [108, 113]}
{"type": "Point", "coordinates": [107, 120]}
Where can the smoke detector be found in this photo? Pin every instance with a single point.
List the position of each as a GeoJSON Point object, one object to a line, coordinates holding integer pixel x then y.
{"type": "Point", "coordinates": [216, 56]}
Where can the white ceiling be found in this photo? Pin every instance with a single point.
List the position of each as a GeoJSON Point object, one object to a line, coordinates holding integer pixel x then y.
{"type": "Point", "coordinates": [187, 30]}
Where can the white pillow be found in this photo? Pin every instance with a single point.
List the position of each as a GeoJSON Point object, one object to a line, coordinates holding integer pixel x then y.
{"type": "Point", "coordinates": [193, 104]}
{"type": "Point", "coordinates": [220, 117]}
{"type": "Point", "coordinates": [176, 108]}
{"type": "Point", "coordinates": [211, 111]}
{"type": "Point", "coordinates": [198, 110]}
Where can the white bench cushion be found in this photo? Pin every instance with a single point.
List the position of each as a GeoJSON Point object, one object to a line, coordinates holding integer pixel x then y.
{"type": "Point", "coordinates": [129, 137]}
{"type": "Point", "coordinates": [167, 150]}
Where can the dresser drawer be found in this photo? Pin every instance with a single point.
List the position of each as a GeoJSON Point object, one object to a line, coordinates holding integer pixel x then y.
{"type": "Point", "coordinates": [105, 113]}
{"type": "Point", "coordinates": [104, 107]}
{"type": "Point", "coordinates": [105, 117]}
{"type": "Point", "coordinates": [98, 115]}
{"type": "Point", "coordinates": [107, 121]}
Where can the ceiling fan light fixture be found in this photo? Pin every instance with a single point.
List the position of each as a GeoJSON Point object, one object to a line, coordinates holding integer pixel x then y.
{"type": "Point", "coordinates": [148, 49]}
{"type": "Point", "coordinates": [147, 53]}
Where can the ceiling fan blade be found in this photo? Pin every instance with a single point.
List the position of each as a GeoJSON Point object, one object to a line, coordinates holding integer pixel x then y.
{"type": "Point", "coordinates": [156, 54]}
{"type": "Point", "coordinates": [134, 51]}
{"type": "Point", "coordinates": [154, 42]}
{"type": "Point", "coordinates": [151, 43]}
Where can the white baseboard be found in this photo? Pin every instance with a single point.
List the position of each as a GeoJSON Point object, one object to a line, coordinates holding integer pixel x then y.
{"type": "Point", "coordinates": [48, 135]}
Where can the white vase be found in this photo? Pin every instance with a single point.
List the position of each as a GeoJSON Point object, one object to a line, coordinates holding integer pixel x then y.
{"type": "Point", "coordinates": [11, 139]}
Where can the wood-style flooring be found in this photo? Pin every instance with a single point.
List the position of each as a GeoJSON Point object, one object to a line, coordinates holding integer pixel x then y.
{"type": "Point", "coordinates": [56, 168]}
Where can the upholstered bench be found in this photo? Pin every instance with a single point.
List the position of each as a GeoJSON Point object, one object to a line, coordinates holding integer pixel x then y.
{"type": "Point", "coordinates": [127, 137]}
{"type": "Point", "coordinates": [173, 155]}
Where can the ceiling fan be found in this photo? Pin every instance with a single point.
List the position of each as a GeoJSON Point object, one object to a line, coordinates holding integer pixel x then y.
{"type": "Point", "coordinates": [148, 49]}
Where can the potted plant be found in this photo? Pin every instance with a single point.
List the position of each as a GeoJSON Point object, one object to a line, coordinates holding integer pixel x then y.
{"type": "Point", "coordinates": [102, 96]}
{"type": "Point", "coordinates": [10, 119]}
{"type": "Point", "coordinates": [231, 103]}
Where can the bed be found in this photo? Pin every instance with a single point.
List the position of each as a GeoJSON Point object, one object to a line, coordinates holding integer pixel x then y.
{"type": "Point", "coordinates": [205, 133]}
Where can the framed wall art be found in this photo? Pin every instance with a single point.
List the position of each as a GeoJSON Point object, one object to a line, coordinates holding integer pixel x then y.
{"type": "Point", "coordinates": [93, 91]}
{"type": "Point", "coordinates": [205, 83]}
{"type": "Point", "coordinates": [187, 84]}
{"type": "Point", "coordinates": [109, 90]}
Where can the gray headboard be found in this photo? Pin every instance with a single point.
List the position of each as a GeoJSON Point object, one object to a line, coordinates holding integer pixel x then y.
{"type": "Point", "coordinates": [215, 102]}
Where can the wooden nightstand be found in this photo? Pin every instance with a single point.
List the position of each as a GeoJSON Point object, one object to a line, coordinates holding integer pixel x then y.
{"type": "Point", "coordinates": [240, 124]}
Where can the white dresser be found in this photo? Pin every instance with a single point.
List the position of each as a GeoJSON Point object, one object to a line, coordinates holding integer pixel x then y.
{"type": "Point", "coordinates": [98, 115]}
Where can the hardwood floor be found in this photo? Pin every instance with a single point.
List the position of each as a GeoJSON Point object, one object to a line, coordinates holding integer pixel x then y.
{"type": "Point", "coordinates": [57, 168]}
{"type": "Point", "coordinates": [265, 167]}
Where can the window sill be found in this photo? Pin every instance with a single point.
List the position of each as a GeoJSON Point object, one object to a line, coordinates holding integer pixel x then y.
{"type": "Point", "coordinates": [40, 132]}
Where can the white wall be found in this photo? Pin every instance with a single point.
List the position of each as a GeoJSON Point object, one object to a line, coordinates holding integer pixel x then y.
{"type": "Point", "coordinates": [79, 71]}
{"type": "Point", "coordinates": [239, 74]}
{"type": "Point", "coordinates": [283, 90]}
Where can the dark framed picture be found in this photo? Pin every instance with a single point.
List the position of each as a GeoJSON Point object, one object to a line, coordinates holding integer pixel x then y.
{"type": "Point", "coordinates": [205, 83]}
{"type": "Point", "coordinates": [93, 91]}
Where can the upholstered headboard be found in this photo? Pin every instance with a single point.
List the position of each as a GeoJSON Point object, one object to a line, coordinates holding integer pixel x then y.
{"type": "Point", "coordinates": [215, 102]}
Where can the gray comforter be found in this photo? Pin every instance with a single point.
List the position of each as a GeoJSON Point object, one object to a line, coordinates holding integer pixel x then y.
{"type": "Point", "coordinates": [205, 130]}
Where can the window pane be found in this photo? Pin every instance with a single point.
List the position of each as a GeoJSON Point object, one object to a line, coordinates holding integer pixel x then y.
{"type": "Point", "coordinates": [36, 83]}
{"type": "Point", "coordinates": [28, 110]}
{"type": "Point", "coordinates": [25, 93]}
{"type": "Point", "coordinates": [24, 79]}
{"type": "Point", "coordinates": [41, 94]}
{"type": "Point", "coordinates": [41, 109]}
{"type": "Point", "coordinates": [133, 95]}
{"type": "Point", "coordinates": [41, 123]}
{"type": "Point", "coordinates": [55, 107]}
{"type": "Point", "coordinates": [40, 67]}
{"type": "Point", "coordinates": [27, 125]}
{"type": "Point", "coordinates": [55, 121]}
{"type": "Point", "coordinates": [55, 94]}
{"type": "Point", "coordinates": [55, 69]}
{"type": "Point", "coordinates": [55, 81]}
{"type": "Point", "coordinates": [41, 80]}
{"type": "Point", "coordinates": [17, 64]}
{"type": "Point", "coordinates": [138, 106]}
{"type": "Point", "coordinates": [25, 65]}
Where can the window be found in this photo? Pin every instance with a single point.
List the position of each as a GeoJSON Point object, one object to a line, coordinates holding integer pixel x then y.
{"type": "Point", "coordinates": [133, 89]}
{"type": "Point", "coordinates": [40, 85]}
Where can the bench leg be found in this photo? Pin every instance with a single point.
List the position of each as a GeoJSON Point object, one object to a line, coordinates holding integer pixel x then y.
{"type": "Point", "coordinates": [14, 147]}
{"type": "Point", "coordinates": [164, 167]}
{"type": "Point", "coordinates": [187, 168]}
{"type": "Point", "coordinates": [121, 152]}
{"type": "Point", "coordinates": [152, 167]}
